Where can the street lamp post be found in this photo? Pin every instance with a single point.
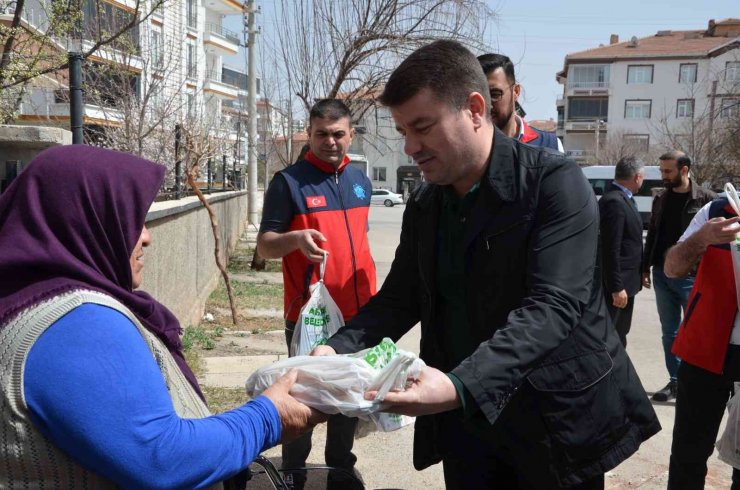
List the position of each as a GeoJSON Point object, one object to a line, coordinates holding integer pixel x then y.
{"type": "Point", "coordinates": [599, 122]}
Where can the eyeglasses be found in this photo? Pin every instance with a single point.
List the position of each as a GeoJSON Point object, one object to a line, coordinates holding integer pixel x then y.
{"type": "Point", "coordinates": [497, 95]}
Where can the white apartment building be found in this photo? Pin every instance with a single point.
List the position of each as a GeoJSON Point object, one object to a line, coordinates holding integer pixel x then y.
{"type": "Point", "coordinates": [649, 92]}
{"type": "Point", "coordinates": [176, 64]}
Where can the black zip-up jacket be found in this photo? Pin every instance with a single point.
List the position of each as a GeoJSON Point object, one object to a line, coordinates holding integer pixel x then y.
{"type": "Point", "coordinates": [536, 305]}
{"type": "Point", "coordinates": [698, 198]}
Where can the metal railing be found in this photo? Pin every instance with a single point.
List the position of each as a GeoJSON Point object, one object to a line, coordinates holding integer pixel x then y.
{"type": "Point", "coordinates": [214, 76]}
{"type": "Point", "coordinates": [223, 32]}
{"type": "Point", "coordinates": [574, 84]}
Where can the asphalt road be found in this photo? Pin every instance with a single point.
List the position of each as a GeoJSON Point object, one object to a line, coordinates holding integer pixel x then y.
{"type": "Point", "coordinates": [385, 460]}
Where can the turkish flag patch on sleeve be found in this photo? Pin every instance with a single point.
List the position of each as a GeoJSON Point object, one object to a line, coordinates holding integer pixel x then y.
{"type": "Point", "coordinates": [316, 202]}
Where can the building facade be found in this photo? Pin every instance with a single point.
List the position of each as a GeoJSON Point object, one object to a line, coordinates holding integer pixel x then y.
{"type": "Point", "coordinates": [168, 69]}
{"type": "Point", "coordinates": [673, 89]}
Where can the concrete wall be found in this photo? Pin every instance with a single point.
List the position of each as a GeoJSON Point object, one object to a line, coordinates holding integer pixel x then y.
{"type": "Point", "coordinates": [25, 142]}
{"type": "Point", "coordinates": [180, 268]}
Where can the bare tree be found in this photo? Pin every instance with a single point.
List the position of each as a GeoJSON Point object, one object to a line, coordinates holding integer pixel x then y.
{"type": "Point", "coordinates": [206, 137]}
{"type": "Point", "coordinates": [144, 106]}
{"type": "Point", "coordinates": [708, 135]}
{"type": "Point", "coordinates": [620, 144]}
{"type": "Point", "coordinates": [327, 48]}
{"type": "Point", "coordinates": [35, 42]}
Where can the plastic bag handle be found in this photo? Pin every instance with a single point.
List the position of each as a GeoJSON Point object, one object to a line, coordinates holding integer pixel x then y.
{"type": "Point", "coordinates": [733, 197]}
{"type": "Point", "coordinates": [323, 266]}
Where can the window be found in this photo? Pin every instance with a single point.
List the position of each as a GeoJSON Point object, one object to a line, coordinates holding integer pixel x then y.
{"type": "Point", "coordinates": [192, 67]}
{"type": "Point", "coordinates": [640, 74]}
{"type": "Point", "coordinates": [61, 96]}
{"type": "Point", "coordinates": [687, 73]}
{"type": "Point", "coordinates": [157, 58]}
{"type": "Point", "coordinates": [637, 109]}
{"type": "Point", "coordinates": [191, 105]}
{"type": "Point", "coordinates": [379, 174]}
{"type": "Point", "coordinates": [588, 108]}
{"type": "Point", "coordinates": [732, 71]}
{"type": "Point", "coordinates": [639, 142]}
{"type": "Point", "coordinates": [588, 76]}
{"type": "Point", "coordinates": [730, 108]}
{"type": "Point", "coordinates": [192, 13]}
{"type": "Point", "coordinates": [685, 108]}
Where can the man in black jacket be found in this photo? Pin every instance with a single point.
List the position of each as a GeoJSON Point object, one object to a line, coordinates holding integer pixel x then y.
{"type": "Point", "coordinates": [672, 211]}
{"type": "Point", "coordinates": [621, 243]}
{"type": "Point", "coordinates": [526, 384]}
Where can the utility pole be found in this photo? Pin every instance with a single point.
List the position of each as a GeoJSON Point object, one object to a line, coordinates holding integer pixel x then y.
{"type": "Point", "coordinates": [598, 136]}
{"type": "Point", "coordinates": [251, 33]}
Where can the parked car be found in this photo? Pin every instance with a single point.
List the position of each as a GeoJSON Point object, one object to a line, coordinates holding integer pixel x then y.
{"type": "Point", "coordinates": [385, 197]}
{"type": "Point", "coordinates": [600, 176]}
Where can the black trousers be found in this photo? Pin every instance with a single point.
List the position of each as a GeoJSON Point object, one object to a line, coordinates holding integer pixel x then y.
{"type": "Point", "coordinates": [340, 438]}
{"type": "Point", "coordinates": [700, 405]}
{"type": "Point", "coordinates": [621, 317]}
{"type": "Point", "coordinates": [514, 454]}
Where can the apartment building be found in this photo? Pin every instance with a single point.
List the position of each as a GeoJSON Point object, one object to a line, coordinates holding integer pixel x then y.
{"type": "Point", "coordinates": [649, 93]}
{"type": "Point", "coordinates": [172, 61]}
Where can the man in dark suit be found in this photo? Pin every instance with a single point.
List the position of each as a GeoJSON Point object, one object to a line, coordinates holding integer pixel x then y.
{"type": "Point", "coordinates": [621, 243]}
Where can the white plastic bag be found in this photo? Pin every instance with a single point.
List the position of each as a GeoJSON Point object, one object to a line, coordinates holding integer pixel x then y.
{"type": "Point", "coordinates": [728, 446]}
{"type": "Point", "coordinates": [735, 246]}
{"type": "Point", "coordinates": [337, 384]}
{"type": "Point", "coordinates": [320, 318]}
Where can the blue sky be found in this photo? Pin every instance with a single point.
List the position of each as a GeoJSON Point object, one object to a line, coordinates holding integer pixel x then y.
{"type": "Point", "coordinates": [537, 34]}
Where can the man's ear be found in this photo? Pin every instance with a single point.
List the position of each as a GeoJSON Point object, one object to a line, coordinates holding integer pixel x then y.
{"type": "Point", "coordinates": [517, 91]}
{"type": "Point", "coordinates": [352, 133]}
{"type": "Point", "coordinates": [477, 107]}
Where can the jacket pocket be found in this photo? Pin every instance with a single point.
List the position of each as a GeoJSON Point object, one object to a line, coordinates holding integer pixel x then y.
{"type": "Point", "coordinates": [581, 406]}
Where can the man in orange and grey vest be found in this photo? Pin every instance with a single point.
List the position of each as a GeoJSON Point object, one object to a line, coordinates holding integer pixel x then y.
{"type": "Point", "coordinates": [505, 92]}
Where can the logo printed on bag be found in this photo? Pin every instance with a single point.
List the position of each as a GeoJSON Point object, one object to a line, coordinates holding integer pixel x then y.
{"type": "Point", "coordinates": [316, 202]}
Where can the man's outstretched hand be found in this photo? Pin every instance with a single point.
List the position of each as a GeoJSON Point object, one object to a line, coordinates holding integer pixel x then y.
{"type": "Point", "coordinates": [295, 417]}
{"type": "Point", "coordinates": [432, 393]}
{"type": "Point", "coordinates": [323, 350]}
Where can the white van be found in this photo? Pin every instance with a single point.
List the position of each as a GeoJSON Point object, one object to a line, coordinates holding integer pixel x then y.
{"type": "Point", "coordinates": [600, 176]}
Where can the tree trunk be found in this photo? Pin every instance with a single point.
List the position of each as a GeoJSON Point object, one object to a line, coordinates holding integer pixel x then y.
{"type": "Point", "coordinates": [217, 242]}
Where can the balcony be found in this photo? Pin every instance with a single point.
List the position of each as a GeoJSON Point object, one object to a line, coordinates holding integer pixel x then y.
{"type": "Point", "coordinates": [39, 110]}
{"type": "Point", "coordinates": [585, 126]}
{"type": "Point", "coordinates": [224, 7]}
{"type": "Point", "coordinates": [580, 156]}
{"type": "Point", "coordinates": [215, 85]}
{"type": "Point", "coordinates": [588, 88]}
{"type": "Point", "coordinates": [220, 40]}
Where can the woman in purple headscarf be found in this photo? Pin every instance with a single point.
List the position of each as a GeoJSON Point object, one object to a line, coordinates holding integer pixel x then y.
{"type": "Point", "coordinates": [95, 390]}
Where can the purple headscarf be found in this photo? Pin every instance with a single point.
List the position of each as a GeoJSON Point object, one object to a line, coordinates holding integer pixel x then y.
{"type": "Point", "coordinates": [70, 221]}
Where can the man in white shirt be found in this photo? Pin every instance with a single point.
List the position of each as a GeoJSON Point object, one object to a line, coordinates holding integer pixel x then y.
{"type": "Point", "coordinates": [709, 366]}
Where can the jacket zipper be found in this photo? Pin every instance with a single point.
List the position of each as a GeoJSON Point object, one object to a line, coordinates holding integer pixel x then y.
{"type": "Point", "coordinates": [351, 243]}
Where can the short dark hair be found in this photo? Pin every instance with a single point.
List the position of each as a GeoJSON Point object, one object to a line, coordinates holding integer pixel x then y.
{"type": "Point", "coordinates": [627, 168]}
{"type": "Point", "coordinates": [445, 67]}
{"type": "Point", "coordinates": [493, 61]}
{"type": "Point", "coordinates": [331, 109]}
{"type": "Point", "coordinates": [681, 159]}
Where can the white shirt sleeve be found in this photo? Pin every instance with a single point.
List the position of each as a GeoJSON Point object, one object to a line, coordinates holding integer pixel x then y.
{"type": "Point", "coordinates": [699, 219]}
{"type": "Point", "coordinates": [560, 146]}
